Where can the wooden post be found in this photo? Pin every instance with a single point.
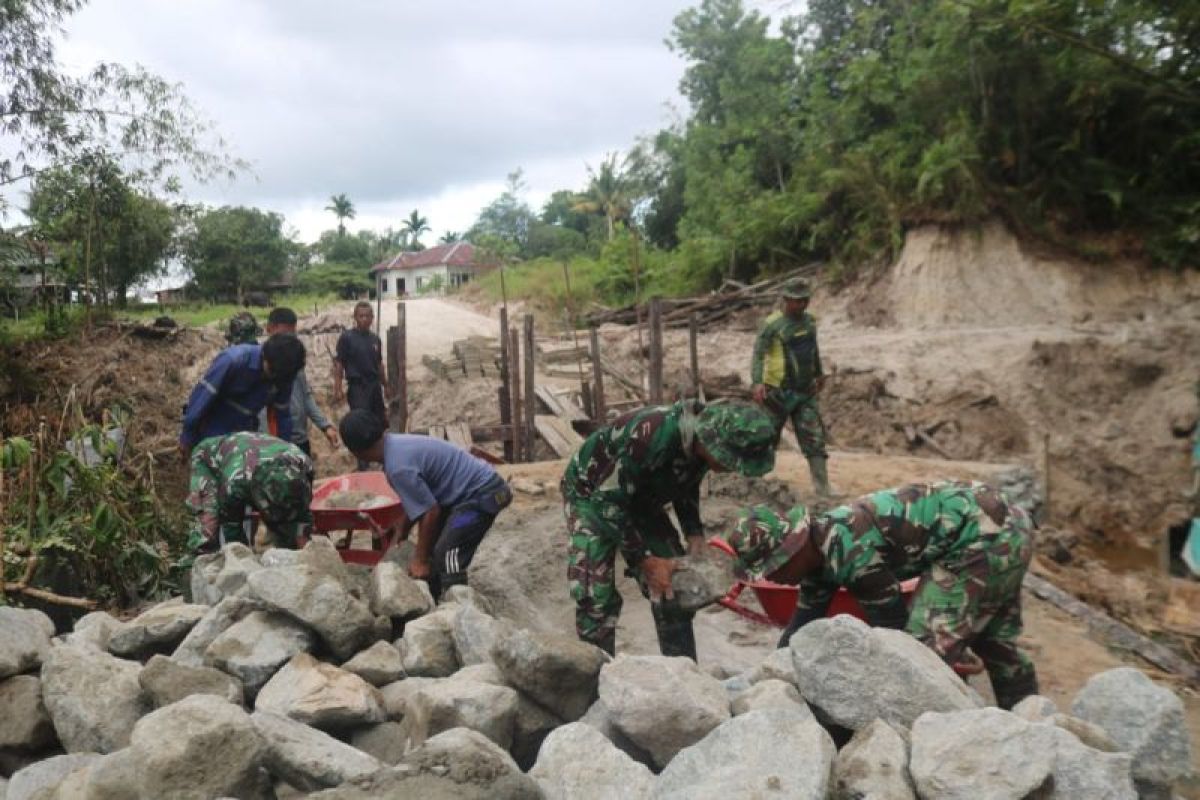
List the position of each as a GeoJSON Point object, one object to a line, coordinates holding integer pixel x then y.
{"type": "Point", "coordinates": [530, 398]}
{"type": "Point", "coordinates": [693, 338]}
{"type": "Point", "coordinates": [514, 352]}
{"type": "Point", "coordinates": [600, 411]}
{"type": "Point", "coordinates": [378, 304]}
{"type": "Point", "coordinates": [505, 390]}
{"type": "Point", "coordinates": [400, 396]}
{"type": "Point", "coordinates": [393, 374]}
{"type": "Point", "coordinates": [656, 351]}
{"type": "Point", "coordinates": [586, 397]}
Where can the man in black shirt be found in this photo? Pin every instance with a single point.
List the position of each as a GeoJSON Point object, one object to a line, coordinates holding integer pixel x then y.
{"type": "Point", "coordinates": [360, 359]}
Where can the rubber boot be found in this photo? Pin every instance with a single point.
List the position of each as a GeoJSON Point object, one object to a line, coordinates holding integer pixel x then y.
{"type": "Point", "coordinates": [608, 643]}
{"type": "Point", "coordinates": [1010, 691]}
{"type": "Point", "coordinates": [448, 579]}
{"type": "Point", "coordinates": [676, 638]}
{"type": "Point", "coordinates": [820, 476]}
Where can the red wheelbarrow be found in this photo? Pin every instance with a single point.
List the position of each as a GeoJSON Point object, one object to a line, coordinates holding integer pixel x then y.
{"type": "Point", "coordinates": [778, 601]}
{"type": "Point", "coordinates": [332, 513]}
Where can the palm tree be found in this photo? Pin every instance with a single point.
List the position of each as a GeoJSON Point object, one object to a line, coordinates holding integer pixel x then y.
{"type": "Point", "coordinates": [607, 193]}
{"type": "Point", "coordinates": [343, 209]}
{"type": "Point", "coordinates": [414, 226]}
{"type": "Point", "coordinates": [450, 237]}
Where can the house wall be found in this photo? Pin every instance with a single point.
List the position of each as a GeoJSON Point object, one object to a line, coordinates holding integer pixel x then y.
{"type": "Point", "coordinates": [416, 280]}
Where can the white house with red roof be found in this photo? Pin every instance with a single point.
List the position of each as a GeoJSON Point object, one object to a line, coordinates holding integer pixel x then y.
{"type": "Point", "coordinates": [434, 270]}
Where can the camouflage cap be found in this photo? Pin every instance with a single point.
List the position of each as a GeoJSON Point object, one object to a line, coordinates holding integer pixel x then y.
{"type": "Point", "coordinates": [740, 437]}
{"type": "Point", "coordinates": [243, 329]}
{"type": "Point", "coordinates": [763, 540]}
{"type": "Point", "coordinates": [796, 289]}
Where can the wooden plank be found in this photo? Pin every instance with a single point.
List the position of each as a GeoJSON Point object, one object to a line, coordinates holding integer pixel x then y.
{"type": "Point", "coordinates": [656, 350]}
{"type": "Point", "coordinates": [598, 405]}
{"type": "Point", "coordinates": [558, 406]}
{"type": "Point", "coordinates": [514, 371]}
{"type": "Point", "coordinates": [459, 433]}
{"type": "Point", "coordinates": [563, 440]}
{"type": "Point", "coordinates": [505, 390]}
{"type": "Point", "coordinates": [530, 400]}
{"type": "Point", "coordinates": [491, 433]}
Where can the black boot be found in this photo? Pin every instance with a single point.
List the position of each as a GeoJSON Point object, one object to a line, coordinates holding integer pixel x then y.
{"type": "Point", "coordinates": [448, 579]}
{"type": "Point", "coordinates": [608, 643]}
{"type": "Point", "coordinates": [1012, 690]}
{"type": "Point", "coordinates": [675, 634]}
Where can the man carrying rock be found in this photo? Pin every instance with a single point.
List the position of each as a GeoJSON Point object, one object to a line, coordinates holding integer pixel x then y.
{"type": "Point", "coordinates": [303, 405]}
{"type": "Point", "coordinates": [360, 360]}
{"type": "Point", "coordinates": [969, 545]}
{"type": "Point", "coordinates": [452, 497]}
{"type": "Point", "coordinates": [240, 382]}
{"type": "Point", "coordinates": [247, 470]}
{"type": "Point", "coordinates": [786, 375]}
{"type": "Point", "coordinates": [615, 492]}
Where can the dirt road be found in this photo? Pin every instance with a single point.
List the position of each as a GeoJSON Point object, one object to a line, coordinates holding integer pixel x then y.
{"type": "Point", "coordinates": [434, 325]}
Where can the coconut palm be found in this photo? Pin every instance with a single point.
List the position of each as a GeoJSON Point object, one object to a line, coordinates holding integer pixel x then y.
{"type": "Point", "coordinates": [414, 226]}
{"type": "Point", "coordinates": [343, 209]}
{"type": "Point", "coordinates": [450, 237]}
{"type": "Point", "coordinates": [607, 193]}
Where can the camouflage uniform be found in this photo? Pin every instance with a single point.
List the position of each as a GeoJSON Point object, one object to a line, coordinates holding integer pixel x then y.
{"type": "Point", "coordinates": [969, 546]}
{"type": "Point", "coordinates": [787, 360]}
{"type": "Point", "coordinates": [615, 490]}
{"type": "Point", "coordinates": [243, 329]}
{"type": "Point", "coordinates": [240, 470]}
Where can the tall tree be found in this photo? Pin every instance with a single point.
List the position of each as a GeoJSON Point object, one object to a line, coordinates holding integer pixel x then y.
{"type": "Point", "coordinates": [343, 209]}
{"type": "Point", "coordinates": [607, 193]}
{"type": "Point", "coordinates": [235, 249]}
{"type": "Point", "coordinates": [414, 225]}
{"type": "Point", "coordinates": [505, 221]}
{"type": "Point", "coordinates": [449, 237]}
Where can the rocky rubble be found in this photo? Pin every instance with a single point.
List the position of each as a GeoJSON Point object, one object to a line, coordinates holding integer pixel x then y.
{"type": "Point", "coordinates": [294, 674]}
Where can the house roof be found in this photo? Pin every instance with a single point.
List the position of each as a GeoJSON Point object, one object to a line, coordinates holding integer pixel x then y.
{"type": "Point", "coordinates": [458, 254]}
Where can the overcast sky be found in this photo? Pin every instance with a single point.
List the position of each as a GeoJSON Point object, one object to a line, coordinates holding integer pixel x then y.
{"type": "Point", "coordinates": [400, 105]}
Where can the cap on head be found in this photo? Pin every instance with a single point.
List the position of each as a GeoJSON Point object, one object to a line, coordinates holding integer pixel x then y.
{"type": "Point", "coordinates": [243, 329]}
{"type": "Point", "coordinates": [763, 540]}
{"type": "Point", "coordinates": [797, 289]}
{"type": "Point", "coordinates": [739, 437]}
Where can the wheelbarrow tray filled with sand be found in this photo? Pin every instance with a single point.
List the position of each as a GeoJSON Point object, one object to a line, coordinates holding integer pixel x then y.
{"type": "Point", "coordinates": [358, 501]}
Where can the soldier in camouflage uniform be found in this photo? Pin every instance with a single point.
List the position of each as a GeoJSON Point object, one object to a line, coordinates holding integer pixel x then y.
{"type": "Point", "coordinates": [969, 545]}
{"type": "Point", "coordinates": [243, 329]}
{"type": "Point", "coordinates": [786, 375]}
{"type": "Point", "coordinates": [615, 491]}
{"type": "Point", "coordinates": [247, 469]}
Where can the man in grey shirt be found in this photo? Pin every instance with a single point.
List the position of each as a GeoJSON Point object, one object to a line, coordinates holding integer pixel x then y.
{"type": "Point", "coordinates": [303, 404]}
{"type": "Point", "coordinates": [452, 497]}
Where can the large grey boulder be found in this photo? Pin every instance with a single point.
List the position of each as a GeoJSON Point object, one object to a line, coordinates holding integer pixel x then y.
{"type": "Point", "coordinates": [855, 674]}
{"type": "Point", "coordinates": [982, 754]}
{"type": "Point", "coordinates": [166, 681]}
{"type": "Point", "coordinates": [873, 766]}
{"type": "Point", "coordinates": [160, 628]}
{"type": "Point", "coordinates": [111, 777]}
{"type": "Point", "coordinates": [220, 618]}
{"type": "Point", "coordinates": [442, 705]}
{"type": "Point", "coordinates": [93, 698]}
{"type": "Point", "coordinates": [24, 639]}
{"type": "Point", "coordinates": [320, 601]}
{"type": "Point", "coordinates": [700, 581]}
{"type": "Point", "coordinates": [201, 747]}
{"type": "Point", "coordinates": [254, 648]}
{"type": "Point", "coordinates": [385, 741]}
{"type": "Point", "coordinates": [560, 672]}
{"type": "Point", "coordinates": [776, 666]}
{"type": "Point", "coordinates": [475, 633]}
{"type": "Point", "coordinates": [459, 764]}
{"type": "Point", "coordinates": [24, 722]}
{"type": "Point", "coordinates": [769, 694]}
{"type": "Point", "coordinates": [1035, 708]}
{"type": "Point", "coordinates": [394, 594]}
{"type": "Point", "coordinates": [396, 696]}
{"type": "Point", "coordinates": [220, 575]}
{"type": "Point", "coordinates": [577, 760]}
{"type": "Point", "coordinates": [779, 753]}
{"type": "Point", "coordinates": [662, 704]}
{"type": "Point", "coordinates": [93, 630]}
{"type": "Point", "coordinates": [428, 645]}
{"type": "Point", "coordinates": [1144, 719]}
{"type": "Point", "coordinates": [279, 557]}
{"type": "Point", "coordinates": [45, 774]}
{"type": "Point", "coordinates": [1084, 773]}
{"type": "Point", "coordinates": [321, 695]}
{"type": "Point", "coordinates": [378, 665]}
{"type": "Point", "coordinates": [599, 718]}
{"type": "Point", "coordinates": [308, 759]}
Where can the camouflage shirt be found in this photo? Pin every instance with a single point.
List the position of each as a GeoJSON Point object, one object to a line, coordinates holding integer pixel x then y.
{"type": "Point", "coordinates": [642, 461]}
{"type": "Point", "coordinates": [883, 538]}
{"type": "Point", "coordinates": [786, 355]}
{"type": "Point", "coordinates": [244, 469]}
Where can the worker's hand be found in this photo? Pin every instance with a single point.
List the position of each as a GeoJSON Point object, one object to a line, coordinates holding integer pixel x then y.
{"type": "Point", "coordinates": [419, 569]}
{"type": "Point", "coordinates": [759, 393]}
{"type": "Point", "coordinates": [696, 546]}
{"type": "Point", "coordinates": [331, 436]}
{"type": "Point", "coordinates": [657, 572]}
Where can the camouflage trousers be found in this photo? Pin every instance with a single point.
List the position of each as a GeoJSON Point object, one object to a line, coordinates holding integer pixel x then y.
{"type": "Point", "coordinates": [973, 598]}
{"type": "Point", "coordinates": [805, 415]}
{"type": "Point", "coordinates": [597, 530]}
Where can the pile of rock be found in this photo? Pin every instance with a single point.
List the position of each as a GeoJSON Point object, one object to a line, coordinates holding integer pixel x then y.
{"type": "Point", "coordinates": [294, 673]}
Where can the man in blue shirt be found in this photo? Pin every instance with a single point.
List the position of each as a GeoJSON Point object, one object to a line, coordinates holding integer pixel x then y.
{"type": "Point", "coordinates": [303, 404]}
{"type": "Point", "coordinates": [237, 385]}
{"type": "Point", "coordinates": [450, 495]}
